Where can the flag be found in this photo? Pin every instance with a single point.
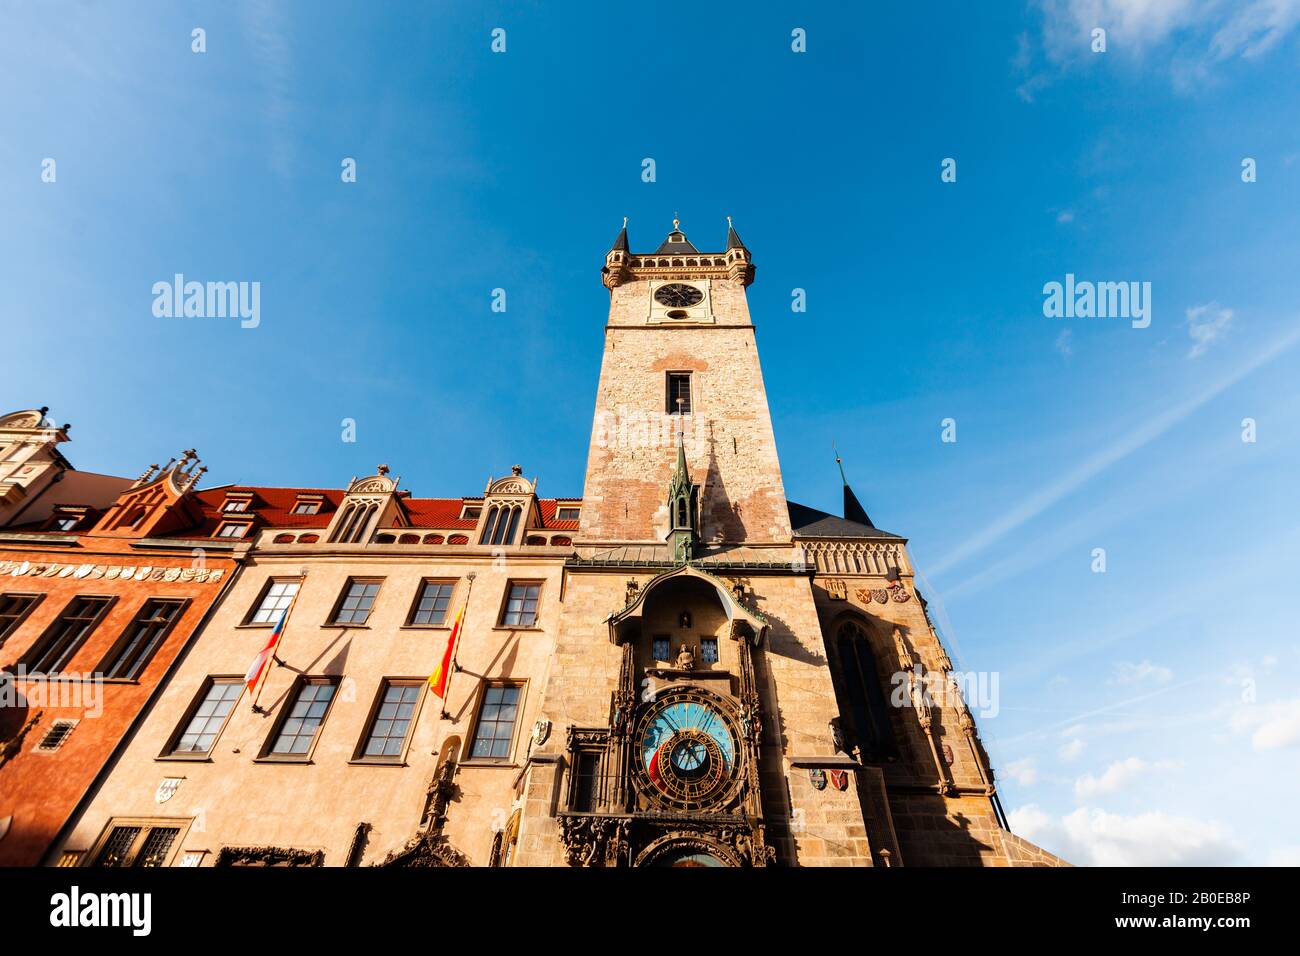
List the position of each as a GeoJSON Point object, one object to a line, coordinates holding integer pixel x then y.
{"type": "Point", "coordinates": [259, 662]}
{"type": "Point", "coordinates": [442, 673]}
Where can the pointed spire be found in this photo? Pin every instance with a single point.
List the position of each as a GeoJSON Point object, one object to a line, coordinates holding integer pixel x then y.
{"type": "Point", "coordinates": [733, 237]}
{"type": "Point", "coordinates": [853, 510]}
{"type": "Point", "coordinates": [683, 500]}
{"type": "Point", "coordinates": [620, 242]}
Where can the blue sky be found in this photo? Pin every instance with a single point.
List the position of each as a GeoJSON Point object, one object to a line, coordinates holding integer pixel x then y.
{"type": "Point", "coordinates": [1144, 711]}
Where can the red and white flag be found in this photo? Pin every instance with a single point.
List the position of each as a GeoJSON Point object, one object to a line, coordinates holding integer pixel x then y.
{"type": "Point", "coordinates": [258, 666]}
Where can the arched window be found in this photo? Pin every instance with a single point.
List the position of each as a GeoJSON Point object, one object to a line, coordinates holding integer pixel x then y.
{"type": "Point", "coordinates": [489, 526]}
{"type": "Point", "coordinates": [867, 708]}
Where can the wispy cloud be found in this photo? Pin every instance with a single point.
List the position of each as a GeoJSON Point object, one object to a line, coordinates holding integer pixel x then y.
{"type": "Point", "coordinates": [1065, 343]}
{"type": "Point", "coordinates": [1205, 324]}
{"type": "Point", "coordinates": [1022, 771]}
{"type": "Point", "coordinates": [1273, 726]}
{"type": "Point", "coordinates": [1126, 672]}
{"type": "Point", "coordinates": [1035, 504]}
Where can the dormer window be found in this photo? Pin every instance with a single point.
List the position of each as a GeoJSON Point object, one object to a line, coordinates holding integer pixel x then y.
{"type": "Point", "coordinates": [235, 504]}
{"type": "Point", "coordinates": [567, 514]}
{"type": "Point", "coordinates": [65, 519]}
{"type": "Point", "coordinates": [232, 529]}
{"type": "Point", "coordinates": [306, 508]}
{"type": "Point", "coordinates": [470, 512]}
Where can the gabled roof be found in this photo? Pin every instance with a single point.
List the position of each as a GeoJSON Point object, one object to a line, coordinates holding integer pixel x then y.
{"type": "Point", "coordinates": [811, 523]}
{"type": "Point", "coordinates": [676, 244]}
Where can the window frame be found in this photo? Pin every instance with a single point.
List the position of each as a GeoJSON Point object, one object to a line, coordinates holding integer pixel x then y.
{"type": "Point", "coordinates": [250, 618]}
{"type": "Point", "coordinates": [145, 825]}
{"type": "Point", "coordinates": [43, 644]}
{"type": "Point", "coordinates": [472, 737]}
{"type": "Point", "coordinates": [7, 630]}
{"type": "Point", "coordinates": [343, 596]}
{"type": "Point", "coordinates": [576, 509]}
{"type": "Point", "coordinates": [419, 593]}
{"type": "Point", "coordinates": [269, 755]}
{"type": "Point", "coordinates": [505, 604]}
{"type": "Point", "coordinates": [359, 754]}
{"type": "Point", "coordinates": [169, 751]}
{"type": "Point", "coordinates": [305, 503]}
{"type": "Point", "coordinates": [181, 604]}
{"type": "Point", "coordinates": [669, 375]}
{"type": "Point", "coordinates": [243, 526]}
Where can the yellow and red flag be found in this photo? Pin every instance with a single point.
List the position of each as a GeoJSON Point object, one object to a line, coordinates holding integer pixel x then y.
{"type": "Point", "coordinates": [442, 673]}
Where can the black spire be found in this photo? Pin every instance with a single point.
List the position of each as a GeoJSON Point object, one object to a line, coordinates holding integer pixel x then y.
{"type": "Point", "coordinates": [620, 243]}
{"type": "Point", "coordinates": [853, 510]}
{"type": "Point", "coordinates": [733, 238]}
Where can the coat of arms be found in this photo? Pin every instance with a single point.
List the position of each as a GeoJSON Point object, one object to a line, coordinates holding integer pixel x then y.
{"type": "Point", "coordinates": [817, 777]}
{"type": "Point", "coordinates": [167, 789]}
{"type": "Point", "coordinates": [840, 779]}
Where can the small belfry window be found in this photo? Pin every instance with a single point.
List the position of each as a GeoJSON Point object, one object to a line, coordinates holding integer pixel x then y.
{"type": "Point", "coordinates": [679, 393]}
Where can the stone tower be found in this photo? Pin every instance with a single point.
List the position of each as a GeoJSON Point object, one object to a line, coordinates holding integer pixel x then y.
{"type": "Point", "coordinates": [727, 664]}
{"type": "Point", "coordinates": [680, 358]}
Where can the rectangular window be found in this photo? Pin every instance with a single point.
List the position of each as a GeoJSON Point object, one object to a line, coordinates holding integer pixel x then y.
{"type": "Point", "coordinates": [709, 650]}
{"type": "Point", "coordinates": [661, 651]}
{"type": "Point", "coordinates": [235, 504]}
{"type": "Point", "coordinates": [149, 629]}
{"type": "Point", "coordinates": [470, 512]}
{"type": "Point", "coordinates": [65, 522]}
{"type": "Point", "coordinates": [137, 844]}
{"type": "Point", "coordinates": [567, 514]}
{"type": "Point", "coordinates": [585, 780]}
{"type": "Point", "coordinates": [232, 530]}
{"type": "Point", "coordinates": [521, 605]}
{"type": "Point", "coordinates": [431, 603]}
{"type": "Point", "coordinates": [679, 393]}
{"type": "Point", "coordinates": [358, 599]}
{"type": "Point", "coordinates": [277, 596]}
{"type": "Point", "coordinates": [306, 507]}
{"type": "Point", "coordinates": [393, 718]}
{"type": "Point", "coordinates": [207, 716]}
{"type": "Point", "coordinates": [14, 609]}
{"type": "Point", "coordinates": [496, 722]}
{"type": "Point", "coordinates": [61, 640]}
{"type": "Point", "coordinates": [57, 735]}
{"type": "Point", "coordinates": [303, 718]}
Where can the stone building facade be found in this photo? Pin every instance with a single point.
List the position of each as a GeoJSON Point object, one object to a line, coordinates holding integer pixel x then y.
{"type": "Point", "coordinates": [679, 668]}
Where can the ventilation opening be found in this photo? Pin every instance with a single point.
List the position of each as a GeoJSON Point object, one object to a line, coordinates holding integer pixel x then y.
{"type": "Point", "coordinates": [56, 735]}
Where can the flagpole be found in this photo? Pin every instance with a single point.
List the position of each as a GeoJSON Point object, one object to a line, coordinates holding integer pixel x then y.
{"type": "Point", "coordinates": [284, 624]}
{"type": "Point", "coordinates": [456, 650]}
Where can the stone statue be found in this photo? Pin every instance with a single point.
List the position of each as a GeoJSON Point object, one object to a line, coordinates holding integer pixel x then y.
{"type": "Point", "coordinates": [685, 658]}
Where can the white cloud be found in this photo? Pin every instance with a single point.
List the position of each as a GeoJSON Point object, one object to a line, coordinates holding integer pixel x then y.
{"type": "Point", "coordinates": [1065, 343]}
{"type": "Point", "coordinates": [1275, 725]}
{"type": "Point", "coordinates": [1022, 772]}
{"type": "Point", "coordinates": [1117, 776]}
{"type": "Point", "coordinates": [1205, 324]}
{"type": "Point", "coordinates": [1093, 837]}
{"type": "Point", "coordinates": [1127, 672]}
{"type": "Point", "coordinates": [1065, 215]}
{"type": "Point", "coordinates": [1193, 35]}
{"type": "Point", "coordinates": [1071, 750]}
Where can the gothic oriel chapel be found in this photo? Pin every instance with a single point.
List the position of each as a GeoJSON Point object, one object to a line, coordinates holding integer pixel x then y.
{"type": "Point", "coordinates": [680, 668]}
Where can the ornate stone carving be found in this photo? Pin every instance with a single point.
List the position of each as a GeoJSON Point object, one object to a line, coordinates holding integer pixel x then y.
{"type": "Point", "coordinates": [269, 856]}
{"type": "Point", "coordinates": [426, 849]}
{"type": "Point", "coordinates": [836, 589]}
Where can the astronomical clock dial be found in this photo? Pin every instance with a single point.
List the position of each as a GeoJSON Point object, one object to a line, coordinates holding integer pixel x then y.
{"type": "Point", "coordinates": [686, 752]}
{"type": "Point", "coordinates": [677, 295]}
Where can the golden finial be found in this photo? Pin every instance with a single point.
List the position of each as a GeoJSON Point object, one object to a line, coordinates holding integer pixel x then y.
{"type": "Point", "coordinates": [676, 222]}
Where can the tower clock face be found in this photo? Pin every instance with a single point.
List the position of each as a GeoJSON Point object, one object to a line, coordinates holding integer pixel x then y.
{"type": "Point", "coordinates": [677, 295]}
{"type": "Point", "coordinates": [686, 752]}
